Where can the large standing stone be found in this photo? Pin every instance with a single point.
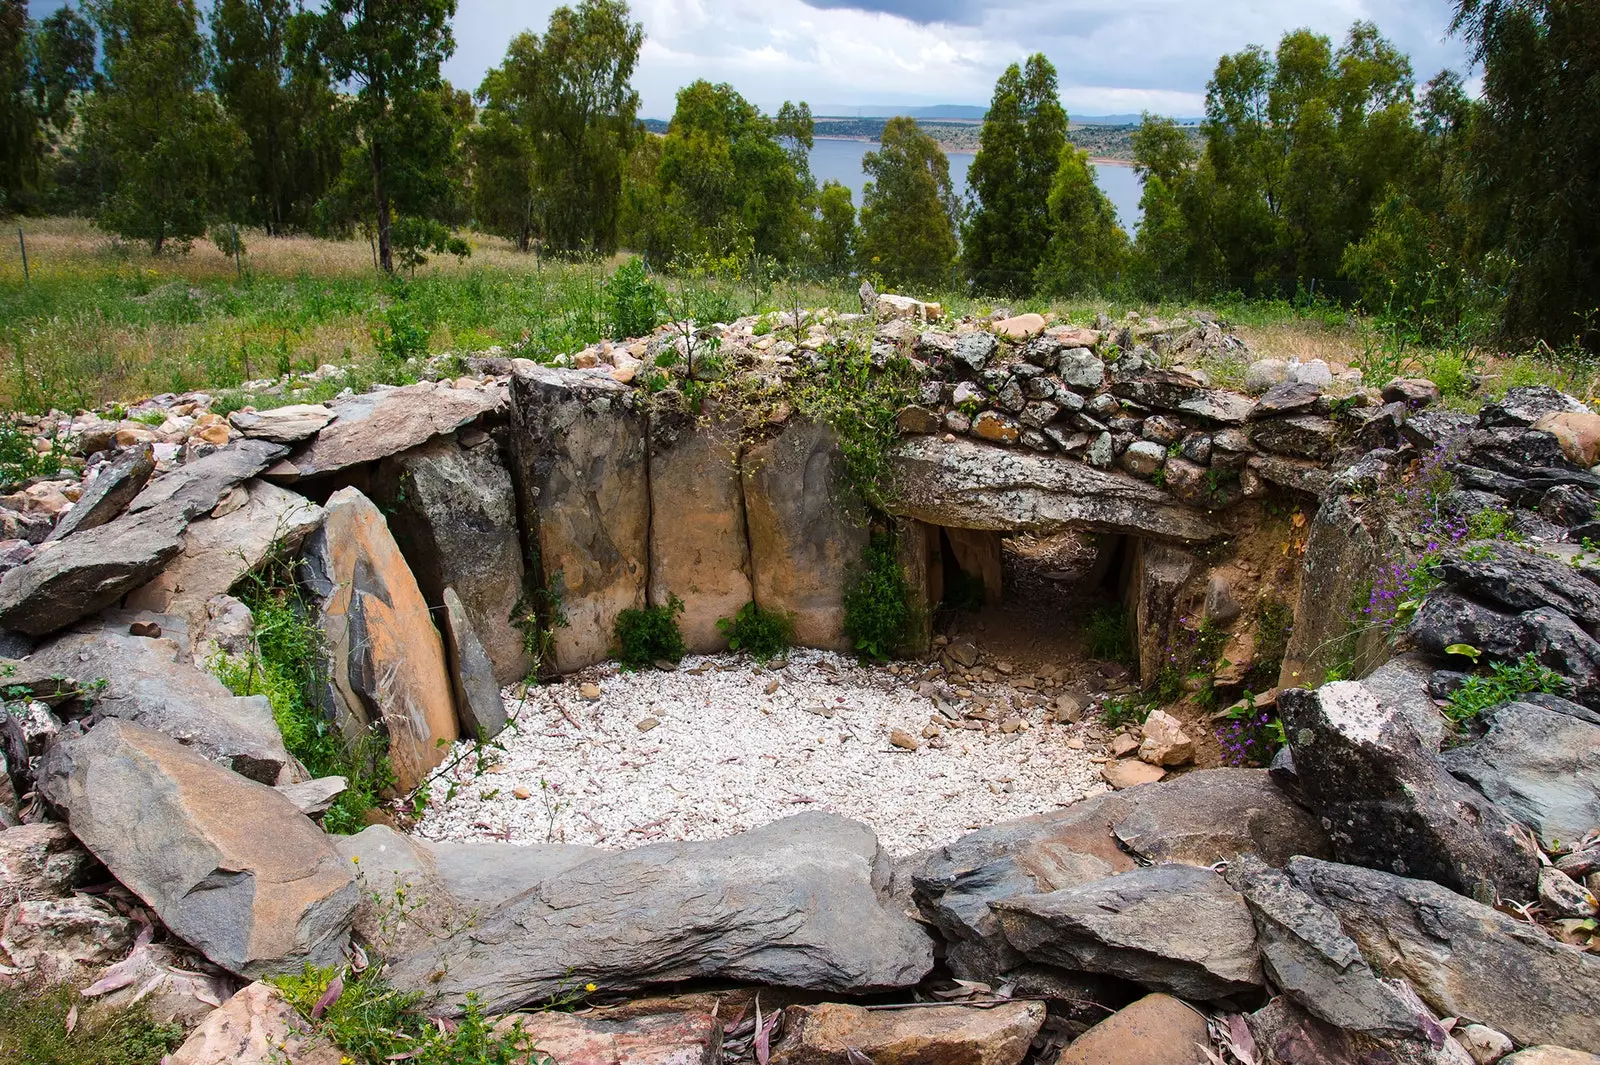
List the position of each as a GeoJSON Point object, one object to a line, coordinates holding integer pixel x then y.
{"type": "Point", "coordinates": [1159, 573]}
{"type": "Point", "coordinates": [479, 706]}
{"type": "Point", "coordinates": [579, 460]}
{"type": "Point", "coordinates": [229, 865]}
{"type": "Point", "coordinates": [154, 683]}
{"type": "Point", "coordinates": [1540, 766]}
{"type": "Point", "coordinates": [807, 530]}
{"type": "Point", "coordinates": [385, 659]}
{"type": "Point", "coordinates": [112, 489]}
{"type": "Point", "coordinates": [454, 514]}
{"type": "Point", "coordinates": [698, 549]}
{"type": "Point", "coordinates": [971, 485]}
{"type": "Point", "coordinates": [1465, 959]}
{"type": "Point", "coordinates": [218, 551]}
{"type": "Point", "coordinates": [939, 1035]}
{"type": "Point", "coordinates": [1175, 928]}
{"type": "Point", "coordinates": [800, 903]}
{"type": "Point", "coordinates": [378, 424]}
{"type": "Point", "coordinates": [1389, 804]}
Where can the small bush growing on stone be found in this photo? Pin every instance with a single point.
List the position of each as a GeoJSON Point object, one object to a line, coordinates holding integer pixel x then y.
{"type": "Point", "coordinates": [633, 303]}
{"type": "Point", "coordinates": [19, 459]}
{"type": "Point", "coordinates": [34, 1030]}
{"type": "Point", "coordinates": [763, 634]}
{"type": "Point", "coordinates": [1504, 681]}
{"type": "Point", "coordinates": [877, 608]}
{"type": "Point", "coordinates": [651, 634]}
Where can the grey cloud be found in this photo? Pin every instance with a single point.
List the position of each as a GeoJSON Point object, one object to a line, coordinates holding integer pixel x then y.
{"type": "Point", "coordinates": [958, 12]}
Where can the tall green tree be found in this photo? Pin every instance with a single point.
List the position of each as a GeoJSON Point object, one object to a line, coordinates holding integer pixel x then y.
{"type": "Point", "coordinates": [565, 112]}
{"type": "Point", "coordinates": [285, 113]}
{"type": "Point", "coordinates": [169, 149]}
{"type": "Point", "coordinates": [1087, 249]}
{"type": "Point", "coordinates": [833, 239]}
{"type": "Point", "coordinates": [388, 53]}
{"type": "Point", "coordinates": [1174, 212]}
{"type": "Point", "coordinates": [908, 209]}
{"type": "Point", "coordinates": [21, 145]}
{"type": "Point", "coordinates": [63, 64]}
{"type": "Point", "coordinates": [1019, 153]}
{"type": "Point", "coordinates": [1534, 152]}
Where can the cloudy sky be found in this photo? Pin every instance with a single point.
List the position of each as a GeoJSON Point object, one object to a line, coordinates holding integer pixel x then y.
{"type": "Point", "coordinates": [1114, 56]}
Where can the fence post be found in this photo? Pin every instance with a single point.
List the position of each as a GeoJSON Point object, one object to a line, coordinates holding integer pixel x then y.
{"type": "Point", "coordinates": [238, 264]}
{"type": "Point", "coordinates": [23, 244]}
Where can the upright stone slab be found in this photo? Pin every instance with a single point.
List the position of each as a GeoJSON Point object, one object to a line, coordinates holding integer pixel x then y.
{"type": "Point", "coordinates": [1158, 574]}
{"type": "Point", "coordinates": [454, 514]}
{"type": "Point", "coordinates": [807, 530]}
{"type": "Point", "coordinates": [386, 659]}
{"type": "Point", "coordinates": [698, 549]}
{"type": "Point", "coordinates": [578, 447]}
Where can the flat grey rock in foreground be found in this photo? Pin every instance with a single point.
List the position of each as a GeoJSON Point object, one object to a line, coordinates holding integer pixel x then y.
{"type": "Point", "coordinates": [229, 865]}
{"type": "Point", "coordinates": [799, 903]}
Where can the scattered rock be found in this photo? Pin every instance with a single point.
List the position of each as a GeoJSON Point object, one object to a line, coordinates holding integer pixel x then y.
{"type": "Point", "coordinates": [670, 1038]}
{"type": "Point", "coordinates": [1127, 773]}
{"type": "Point", "coordinates": [283, 425]}
{"type": "Point", "coordinates": [938, 1035]}
{"type": "Point", "coordinates": [589, 692]}
{"type": "Point", "coordinates": [314, 797]}
{"type": "Point", "coordinates": [41, 861]}
{"type": "Point", "coordinates": [112, 489]}
{"type": "Point", "coordinates": [375, 425]}
{"type": "Point", "coordinates": [1578, 433]}
{"type": "Point", "coordinates": [1286, 398]}
{"type": "Point", "coordinates": [904, 740]}
{"type": "Point", "coordinates": [62, 939]}
{"type": "Point", "coordinates": [1156, 1030]}
{"type": "Point", "coordinates": [1486, 1045]}
{"type": "Point", "coordinates": [1525, 405]}
{"type": "Point", "coordinates": [1165, 743]}
{"type": "Point", "coordinates": [995, 427]}
{"type": "Point", "coordinates": [1021, 327]}
{"type": "Point", "coordinates": [1549, 1055]}
{"type": "Point", "coordinates": [1143, 458]}
{"type": "Point", "coordinates": [1414, 392]}
{"type": "Point", "coordinates": [255, 1027]}
{"type": "Point", "coordinates": [1539, 766]}
{"type": "Point", "coordinates": [229, 865]}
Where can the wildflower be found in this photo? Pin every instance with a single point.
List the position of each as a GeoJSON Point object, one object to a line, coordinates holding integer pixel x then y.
{"type": "Point", "coordinates": [591, 987]}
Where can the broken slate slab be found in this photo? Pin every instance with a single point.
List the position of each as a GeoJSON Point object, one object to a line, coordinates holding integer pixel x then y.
{"type": "Point", "coordinates": [195, 488]}
{"type": "Point", "coordinates": [112, 489]}
{"type": "Point", "coordinates": [283, 425]}
{"type": "Point", "coordinates": [378, 424]}
{"type": "Point", "coordinates": [481, 710]}
{"type": "Point", "coordinates": [1540, 766]}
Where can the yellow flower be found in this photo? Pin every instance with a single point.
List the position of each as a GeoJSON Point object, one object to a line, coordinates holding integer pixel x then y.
{"type": "Point", "coordinates": [590, 987]}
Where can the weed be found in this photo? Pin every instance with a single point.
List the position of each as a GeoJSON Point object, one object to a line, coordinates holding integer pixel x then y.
{"type": "Point", "coordinates": [877, 607]}
{"type": "Point", "coordinates": [402, 336]}
{"type": "Point", "coordinates": [633, 303]}
{"type": "Point", "coordinates": [763, 634]}
{"type": "Point", "coordinates": [1274, 624]}
{"type": "Point", "coordinates": [1110, 634]}
{"type": "Point", "coordinates": [149, 417]}
{"type": "Point", "coordinates": [650, 634]}
{"type": "Point", "coordinates": [1249, 736]}
{"type": "Point", "coordinates": [1504, 682]}
{"type": "Point", "coordinates": [860, 402]}
{"type": "Point", "coordinates": [1117, 712]}
{"type": "Point", "coordinates": [34, 1029]}
{"type": "Point", "coordinates": [20, 460]}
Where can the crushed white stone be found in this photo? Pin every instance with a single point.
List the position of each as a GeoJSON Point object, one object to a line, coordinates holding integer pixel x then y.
{"type": "Point", "coordinates": [726, 754]}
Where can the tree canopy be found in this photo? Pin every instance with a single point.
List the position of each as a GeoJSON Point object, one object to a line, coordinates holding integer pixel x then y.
{"type": "Point", "coordinates": [908, 209]}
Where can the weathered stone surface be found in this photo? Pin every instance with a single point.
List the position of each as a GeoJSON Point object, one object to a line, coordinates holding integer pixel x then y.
{"type": "Point", "coordinates": [378, 424]}
{"type": "Point", "coordinates": [1124, 773]}
{"type": "Point", "coordinates": [1216, 815]}
{"type": "Point", "coordinates": [218, 551]}
{"type": "Point", "coordinates": [698, 549]}
{"type": "Point", "coordinates": [314, 797]}
{"type": "Point", "coordinates": [1163, 741]}
{"type": "Point", "coordinates": [1402, 684]}
{"type": "Point", "coordinates": [579, 460]}
{"type": "Point", "coordinates": [673, 1038]}
{"type": "Point", "coordinates": [1578, 433]}
{"type": "Point", "coordinates": [1389, 804]}
{"type": "Point", "coordinates": [255, 1027]}
{"type": "Point", "coordinates": [1464, 959]}
{"type": "Point", "coordinates": [454, 516]}
{"type": "Point", "coordinates": [479, 708]}
{"type": "Point", "coordinates": [995, 427]}
{"type": "Point", "coordinates": [1286, 1033]}
{"type": "Point", "coordinates": [229, 865]}
{"type": "Point", "coordinates": [1176, 390]}
{"type": "Point", "coordinates": [195, 488]}
{"type": "Point", "coordinates": [1304, 435]}
{"type": "Point", "coordinates": [1555, 640]}
{"type": "Point", "coordinates": [1516, 578]}
{"type": "Point", "coordinates": [974, 350]}
{"type": "Point", "coordinates": [154, 683]}
{"type": "Point", "coordinates": [1307, 956]}
{"type": "Point", "coordinates": [1525, 405]}
{"type": "Point", "coordinates": [1159, 573]}
{"type": "Point", "coordinates": [799, 903]}
{"type": "Point", "coordinates": [807, 531]}
{"type": "Point", "coordinates": [61, 939]}
{"type": "Point", "coordinates": [1486, 1045]}
{"type": "Point", "coordinates": [971, 485]}
{"type": "Point", "coordinates": [1548, 1055]}
{"type": "Point", "coordinates": [1412, 391]}
{"type": "Point", "coordinates": [1156, 1030]}
{"type": "Point", "coordinates": [1143, 458]}
{"type": "Point", "coordinates": [1020, 327]}
{"type": "Point", "coordinates": [1289, 397]}
{"type": "Point", "coordinates": [939, 1035]}
{"type": "Point", "coordinates": [385, 658]}
{"type": "Point", "coordinates": [283, 425]}
{"type": "Point", "coordinates": [1173, 928]}
{"type": "Point", "coordinates": [1080, 369]}
{"type": "Point", "coordinates": [112, 489]}
{"type": "Point", "coordinates": [41, 861]}
{"type": "Point", "coordinates": [1541, 767]}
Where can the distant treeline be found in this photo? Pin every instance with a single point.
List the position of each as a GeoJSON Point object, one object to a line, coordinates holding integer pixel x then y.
{"type": "Point", "coordinates": [1319, 171]}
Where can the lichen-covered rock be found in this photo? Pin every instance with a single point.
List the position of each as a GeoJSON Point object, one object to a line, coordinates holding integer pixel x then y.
{"type": "Point", "coordinates": [375, 425]}
{"type": "Point", "coordinates": [940, 1035]}
{"type": "Point", "coordinates": [386, 660]}
{"type": "Point", "coordinates": [229, 865]}
{"type": "Point", "coordinates": [283, 425]}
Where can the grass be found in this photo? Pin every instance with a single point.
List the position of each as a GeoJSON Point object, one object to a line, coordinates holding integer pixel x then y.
{"type": "Point", "coordinates": [35, 1029]}
{"type": "Point", "coordinates": [1110, 635]}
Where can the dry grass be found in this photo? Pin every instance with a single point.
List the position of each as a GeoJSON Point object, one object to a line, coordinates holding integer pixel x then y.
{"type": "Point", "coordinates": [1305, 340]}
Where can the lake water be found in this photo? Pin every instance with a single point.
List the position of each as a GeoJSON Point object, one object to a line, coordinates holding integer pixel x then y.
{"type": "Point", "coordinates": [840, 160]}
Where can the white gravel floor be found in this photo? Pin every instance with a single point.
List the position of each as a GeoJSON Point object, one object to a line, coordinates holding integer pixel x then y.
{"type": "Point", "coordinates": [736, 746]}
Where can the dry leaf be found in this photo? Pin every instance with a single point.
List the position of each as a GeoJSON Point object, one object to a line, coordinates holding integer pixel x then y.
{"type": "Point", "coordinates": [72, 1018]}
{"type": "Point", "coordinates": [329, 997]}
{"type": "Point", "coordinates": [856, 1057]}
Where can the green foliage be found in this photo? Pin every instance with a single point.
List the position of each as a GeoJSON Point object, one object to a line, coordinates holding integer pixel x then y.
{"type": "Point", "coordinates": [34, 1029]}
{"type": "Point", "coordinates": [1023, 143]}
{"type": "Point", "coordinates": [633, 302]}
{"type": "Point", "coordinates": [833, 236]}
{"type": "Point", "coordinates": [1109, 632]}
{"type": "Point", "coordinates": [402, 335]}
{"type": "Point", "coordinates": [1504, 681]}
{"type": "Point", "coordinates": [646, 635]}
{"type": "Point", "coordinates": [908, 209]}
{"type": "Point", "coordinates": [373, 1023]}
{"type": "Point", "coordinates": [1087, 249]}
{"type": "Point", "coordinates": [1274, 624]}
{"type": "Point", "coordinates": [20, 460]}
{"type": "Point", "coordinates": [1116, 712]}
{"type": "Point", "coordinates": [558, 124]}
{"type": "Point", "coordinates": [762, 634]}
{"type": "Point", "coordinates": [286, 665]}
{"type": "Point", "coordinates": [860, 402]}
{"type": "Point", "coordinates": [877, 606]}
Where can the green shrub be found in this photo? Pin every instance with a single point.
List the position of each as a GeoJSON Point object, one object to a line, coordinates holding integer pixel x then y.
{"type": "Point", "coordinates": [645, 636]}
{"type": "Point", "coordinates": [1274, 624]}
{"type": "Point", "coordinates": [1117, 712]}
{"type": "Point", "coordinates": [33, 1029]}
{"type": "Point", "coordinates": [1504, 681]}
{"type": "Point", "coordinates": [373, 1024]}
{"type": "Point", "coordinates": [20, 460]}
{"type": "Point", "coordinates": [402, 336]}
{"type": "Point", "coordinates": [763, 634]}
{"type": "Point", "coordinates": [1109, 634]}
{"type": "Point", "coordinates": [633, 303]}
{"type": "Point", "coordinates": [877, 608]}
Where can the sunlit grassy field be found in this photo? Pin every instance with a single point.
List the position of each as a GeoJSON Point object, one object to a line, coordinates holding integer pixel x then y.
{"type": "Point", "coordinates": [100, 321]}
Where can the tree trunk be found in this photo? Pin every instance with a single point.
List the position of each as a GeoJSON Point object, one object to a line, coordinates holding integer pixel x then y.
{"type": "Point", "coordinates": [380, 199]}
